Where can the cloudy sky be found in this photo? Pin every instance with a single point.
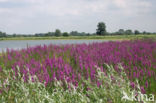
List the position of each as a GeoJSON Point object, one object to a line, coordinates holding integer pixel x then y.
{"type": "Point", "coordinates": [37, 16]}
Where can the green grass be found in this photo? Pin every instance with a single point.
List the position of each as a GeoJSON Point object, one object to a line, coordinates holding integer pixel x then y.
{"type": "Point", "coordinates": [116, 37]}
{"type": "Point", "coordinates": [15, 90]}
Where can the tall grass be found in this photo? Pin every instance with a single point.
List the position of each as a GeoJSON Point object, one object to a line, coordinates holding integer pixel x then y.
{"type": "Point", "coordinates": [113, 87]}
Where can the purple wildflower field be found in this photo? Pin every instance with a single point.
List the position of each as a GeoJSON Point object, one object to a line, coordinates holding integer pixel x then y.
{"type": "Point", "coordinates": [76, 61]}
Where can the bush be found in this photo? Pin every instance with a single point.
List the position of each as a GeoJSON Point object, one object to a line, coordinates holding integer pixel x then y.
{"type": "Point", "coordinates": [65, 34]}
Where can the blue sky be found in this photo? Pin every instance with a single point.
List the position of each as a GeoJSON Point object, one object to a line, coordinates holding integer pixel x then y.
{"type": "Point", "coordinates": [37, 16]}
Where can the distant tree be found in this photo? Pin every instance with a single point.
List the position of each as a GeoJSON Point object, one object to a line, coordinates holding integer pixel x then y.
{"type": "Point", "coordinates": [14, 35]}
{"type": "Point", "coordinates": [144, 32]}
{"type": "Point", "coordinates": [57, 32]}
{"type": "Point", "coordinates": [128, 32]}
{"type": "Point", "coordinates": [120, 32]}
{"type": "Point", "coordinates": [136, 32]}
{"type": "Point", "coordinates": [88, 34]}
{"type": "Point", "coordinates": [65, 34]}
{"type": "Point", "coordinates": [39, 34]}
{"type": "Point", "coordinates": [82, 34]}
{"type": "Point", "coordinates": [74, 33]}
{"type": "Point", "coordinates": [47, 34]}
{"type": "Point", "coordinates": [93, 34]}
{"type": "Point", "coordinates": [101, 28]}
{"type": "Point", "coordinates": [148, 33]}
{"type": "Point", "coordinates": [2, 34]}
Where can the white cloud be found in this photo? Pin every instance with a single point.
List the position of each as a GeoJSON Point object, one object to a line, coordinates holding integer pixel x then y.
{"type": "Point", "coordinates": [3, 1]}
{"type": "Point", "coordinates": [120, 3]}
{"type": "Point", "coordinates": [81, 13]}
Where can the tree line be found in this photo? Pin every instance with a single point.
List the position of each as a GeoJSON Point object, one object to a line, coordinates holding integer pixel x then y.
{"type": "Point", "coordinates": [101, 30]}
{"type": "Point", "coordinates": [59, 33]}
{"type": "Point", "coordinates": [3, 34]}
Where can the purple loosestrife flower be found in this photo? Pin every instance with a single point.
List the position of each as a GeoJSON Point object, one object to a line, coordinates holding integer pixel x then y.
{"type": "Point", "coordinates": [68, 79]}
{"type": "Point", "coordinates": [9, 57]}
{"type": "Point", "coordinates": [79, 76]}
{"type": "Point", "coordinates": [47, 79]}
{"type": "Point", "coordinates": [138, 74]}
{"type": "Point", "coordinates": [61, 75]}
{"type": "Point", "coordinates": [54, 76]}
{"type": "Point", "coordinates": [137, 57]}
{"type": "Point", "coordinates": [149, 73]}
{"type": "Point", "coordinates": [134, 74]}
{"type": "Point", "coordinates": [81, 66]}
{"type": "Point", "coordinates": [86, 66]}
{"type": "Point", "coordinates": [76, 84]}
{"type": "Point", "coordinates": [98, 84]}
{"type": "Point", "coordinates": [146, 84]}
{"type": "Point", "coordinates": [132, 84]}
{"type": "Point", "coordinates": [44, 69]}
{"type": "Point", "coordinates": [143, 90]}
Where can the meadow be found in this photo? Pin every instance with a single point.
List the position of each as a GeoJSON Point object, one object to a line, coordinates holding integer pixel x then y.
{"type": "Point", "coordinates": [81, 73]}
{"type": "Point", "coordinates": [107, 37]}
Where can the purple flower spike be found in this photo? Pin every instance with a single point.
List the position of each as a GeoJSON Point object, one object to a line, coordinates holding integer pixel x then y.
{"type": "Point", "coordinates": [132, 84]}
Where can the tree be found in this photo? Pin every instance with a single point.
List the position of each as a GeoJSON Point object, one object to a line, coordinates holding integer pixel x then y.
{"type": "Point", "coordinates": [2, 34]}
{"type": "Point", "coordinates": [88, 34]}
{"type": "Point", "coordinates": [136, 32]}
{"type": "Point", "coordinates": [57, 32]}
{"type": "Point", "coordinates": [14, 35]}
{"type": "Point", "coordinates": [121, 32]}
{"type": "Point", "coordinates": [65, 34]}
{"type": "Point", "coordinates": [128, 32]}
{"type": "Point", "coordinates": [74, 33]}
{"type": "Point", "coordinates": [144, 32]}
{"type": "Point", "coordinates": [101, 28]}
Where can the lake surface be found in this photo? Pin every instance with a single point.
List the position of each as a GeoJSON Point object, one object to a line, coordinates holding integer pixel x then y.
{"type": "Point", "coordinates": [19, 44]}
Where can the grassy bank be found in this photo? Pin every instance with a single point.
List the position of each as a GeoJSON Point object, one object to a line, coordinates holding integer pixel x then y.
{"type": "Point", "coordinates": [116, 37]}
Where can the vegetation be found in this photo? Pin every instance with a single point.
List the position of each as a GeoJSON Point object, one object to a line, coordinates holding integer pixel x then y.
{"type": "Point", "coordinates": [15, 90]}
{"type": "Point", "coordinates": [2, 34]}
{"type": "Point", "coordinates": [65, 34]}
{"type": "Point", "coordinates": [77, 72]}
{"type": "Point", "coordinates": [135, 56]}
{"type": "Point", "coordinates": [101, 29]}
{"type": "Point", "coordinates": [57, 32]}
{"type": "Point", "coordinates": [110, 37]}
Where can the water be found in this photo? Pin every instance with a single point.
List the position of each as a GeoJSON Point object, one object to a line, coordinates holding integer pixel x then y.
{"type": "Point", "coordinates": [19, 44]}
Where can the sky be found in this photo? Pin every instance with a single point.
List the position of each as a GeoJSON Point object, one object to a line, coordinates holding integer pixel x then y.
{"type": "Point", "coordinates": [40, 16]}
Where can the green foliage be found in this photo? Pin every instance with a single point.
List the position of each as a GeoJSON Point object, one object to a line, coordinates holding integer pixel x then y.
{"type": "Point", "coordinates": [128, 32]}
{"type": "Point", "coordinates": [57, 32]}
{"type": "Point", "coordinates": [65, 34]}
{"type": "Point", "coordinates": [114, 86]}
{"type": "Point", "coordinates": [121, 32]}
{"type": "Point", "coordinates": [136, 32]}
{"type": "Point", "coordinates": [74, 33]}
{"type": "Point", "coordinates": [47, 34]}
{"type": "Point", "coordinates": [101, 28]}
{"type": "Point", "coordinates": [110, 37]}
{"type": "Point", "coordinates": [2, 34]}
